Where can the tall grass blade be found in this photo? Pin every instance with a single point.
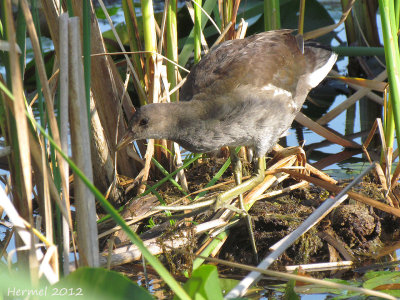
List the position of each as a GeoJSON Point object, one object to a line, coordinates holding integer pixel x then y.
{"type": "Point", "coordinates": [172, 45]}
{"type": "Point", "coordinates": [135, 45]}
{"type": "Point", "coordinates": [392, 59]}
{"type": "Point", "coordinates": [188, 47]}
{"type": "Point", "coordinates": [271, 15]}
{"type": "Point", "coordinates": [150, 45]}
{"type": "Point", "coordinates": [197, 31]}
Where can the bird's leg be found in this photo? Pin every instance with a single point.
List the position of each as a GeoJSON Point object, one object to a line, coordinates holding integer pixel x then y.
{"type": "Point", "coordinates": [260, 168]}
{"type": "Point", "coordinates": [237, 173]}
{"type": "Point", "coordinates": [237, 166]}
{"type": "Point", "coordinates": [243, 186]}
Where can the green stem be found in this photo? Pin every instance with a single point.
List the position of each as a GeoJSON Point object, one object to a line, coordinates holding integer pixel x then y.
{"type": "Point", "coordinates": [172, 45]}
{"type": "Point", "coordinates": [135, 45]}
{"type": "Point", "coordinates": [220, 238]}
{"type": "Point", "coordinates": [197, 31]}
{"type": "Point", "coordinates": [165, 173]}
{"type": "Point", "coordinates": [149, 31]}
{"type": "Point", "coordinates": [389, 125]}
{"type": "Point", "coordinates": [187, 49]}
{"type": "Point", "coordinates": [272, 17]}
{"type": "Point", "coordinates": [393, 62]}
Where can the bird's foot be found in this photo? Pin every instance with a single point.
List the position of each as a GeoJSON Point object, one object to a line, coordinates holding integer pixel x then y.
{"type": "Point", "coordinates": [224, 199]}
{"type": "Point", "coordinates": [260, 168]}
{"type": "Point", "coordinates": [245, 186]}
{"type": "Point", "coordinates": [241, 187]}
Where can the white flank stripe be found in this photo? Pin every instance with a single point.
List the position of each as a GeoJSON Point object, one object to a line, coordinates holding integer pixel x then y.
{"type": "Point", "coordinates": [277, 91]}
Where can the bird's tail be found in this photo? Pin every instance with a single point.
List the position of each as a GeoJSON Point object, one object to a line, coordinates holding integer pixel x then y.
{"type": "Point", "coordinates": [320, 59]}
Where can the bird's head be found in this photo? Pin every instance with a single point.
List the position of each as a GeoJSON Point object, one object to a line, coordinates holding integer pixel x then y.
{"type": "Point", "coordinates": [148, 122]}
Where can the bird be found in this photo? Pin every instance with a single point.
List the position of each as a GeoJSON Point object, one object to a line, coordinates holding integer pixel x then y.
{"type": "Point", "coordinates": [244, 92]}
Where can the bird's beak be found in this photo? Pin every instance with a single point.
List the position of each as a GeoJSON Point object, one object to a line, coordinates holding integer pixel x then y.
{"type": "Point", "coordinates": [125, 140]}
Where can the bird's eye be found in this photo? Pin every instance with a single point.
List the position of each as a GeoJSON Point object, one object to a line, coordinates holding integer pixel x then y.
{"type": "Point", "coordinates": [143, 122]}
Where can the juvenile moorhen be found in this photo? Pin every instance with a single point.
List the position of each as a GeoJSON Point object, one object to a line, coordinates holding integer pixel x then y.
{"type": "Point", "coordinates": [242, 93]}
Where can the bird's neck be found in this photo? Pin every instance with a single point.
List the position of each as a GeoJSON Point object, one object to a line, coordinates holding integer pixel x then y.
{"type": "Point", "coordinates": [181, 116]}
{"type": "Point", "coordinates": [185, 123]}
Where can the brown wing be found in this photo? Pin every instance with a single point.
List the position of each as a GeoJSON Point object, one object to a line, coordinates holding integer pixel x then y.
{"type": "Point", "coordinates": [271, 57]}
